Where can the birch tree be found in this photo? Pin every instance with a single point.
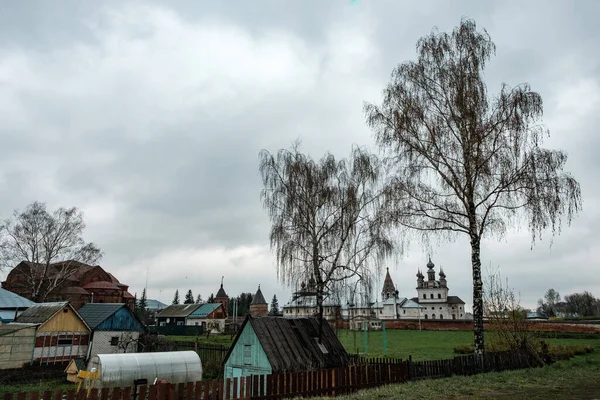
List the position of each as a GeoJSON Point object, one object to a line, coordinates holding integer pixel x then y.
{"type": "Point", "coordinates": [46, 247]}
{"type": "Point", "coordinates": [323, 216]}
{"type": "Point", "coordinates": [465, 162]}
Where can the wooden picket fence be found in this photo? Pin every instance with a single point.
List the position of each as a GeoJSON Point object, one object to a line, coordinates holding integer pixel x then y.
{"type": "Point", "coordinates": [472, 364]}
{"type": "Point", "coordinates": [326, 382]}
{"type": "Point", "coordinates": [362, 373]}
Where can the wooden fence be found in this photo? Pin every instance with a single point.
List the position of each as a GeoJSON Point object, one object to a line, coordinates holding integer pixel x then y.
{"type": "Point", "coordinates": [472, 364]}
{"type": "Point", "coordinates": [362, 373]}
{"type": "Point", "coordinates": [326, 382]}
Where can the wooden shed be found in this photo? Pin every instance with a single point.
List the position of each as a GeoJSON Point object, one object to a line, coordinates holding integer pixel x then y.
{"type": "Point", "coordinates": [16, 344]}
{"type": "Point", "coordinates": [266, 345]}
{"type": "Point", "coordinates": [61, 333]}
{"type": "Point", "coordinates": [115, 329]}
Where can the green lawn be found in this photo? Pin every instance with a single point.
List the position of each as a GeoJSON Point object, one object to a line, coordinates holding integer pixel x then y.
{"type": "Point", "coordinates": [578, 378]}
{"type": "Point", "coordinates": [224, 340]}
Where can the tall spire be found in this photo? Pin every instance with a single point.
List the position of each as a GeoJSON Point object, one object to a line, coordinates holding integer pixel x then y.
{"type": "Point", "coordinates": [389, 289]}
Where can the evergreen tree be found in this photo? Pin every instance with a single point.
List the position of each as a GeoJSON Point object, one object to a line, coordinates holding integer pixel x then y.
{"type": "Point", "coordinates": [176, 297]}
{"type": "Point", "coordinates": [141, 307]}
{"type": "Point", "coordinates": [189, 298]}
{"type": "Point", "coordinates": [199, 299]}
{"type": "Point", "coordinates": [274, 306]}
{"type": "Point", "coordinates": [135, 302]}
{"type": "Point", "coordinates": [211, 298]}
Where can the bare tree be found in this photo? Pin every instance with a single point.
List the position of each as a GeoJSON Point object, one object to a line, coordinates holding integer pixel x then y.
{"type": "Point", "coordinates": [466, 163]}
{"type": "Point", "coordinates": [323, 216]}
{"type": "Point", "coordinates": [47, 248]}
{"type": "Point", "coordinates": [504, 312]}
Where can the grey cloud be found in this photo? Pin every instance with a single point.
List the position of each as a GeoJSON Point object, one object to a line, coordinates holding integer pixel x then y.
{"type": "Point", "coordinates": [151, 115]}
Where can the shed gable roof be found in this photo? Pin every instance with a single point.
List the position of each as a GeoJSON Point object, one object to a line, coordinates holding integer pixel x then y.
{"type": "Point", "coordinates": [178, 310]}
{"type": "Point", "coordinates": [292, 344]}
{"type": "Point", "coordinates": [41, 312]}
{"type": "Point", "coordinates": [96, 313]}
{"type": "Point", "coordinates": [12, 300]}
{"type": "Point", "coordinates": [205, 310]}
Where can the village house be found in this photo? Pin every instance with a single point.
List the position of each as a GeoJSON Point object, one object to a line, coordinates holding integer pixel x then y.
{"type": "Point", "coordinates": [12, 305]}
{"type": "Point", "coordinates": [266, 345]}
{"type": "Point", "coordinates": [211, 316]}
{"type": "Point", "coordinates": [60, 332]}
{"type": "Point", "coordinates": [115, 329]}
{"type": "Point", "coordinates": [83, 284]}
{"type": "Point", "coordinates": [175, 314]}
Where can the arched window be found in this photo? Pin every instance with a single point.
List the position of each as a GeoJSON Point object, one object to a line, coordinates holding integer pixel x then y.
{"type": "Point", "coordinates": [439, 295]}
{"type": "Point", "coordinates": [426, 316]}
{"type": "Point", "coordinates": [441, 316]}
{"type": "Point", "coordinates": [432, 316]}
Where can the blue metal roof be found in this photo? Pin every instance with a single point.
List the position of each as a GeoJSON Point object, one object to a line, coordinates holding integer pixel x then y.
{"type": "Point", "coordinates": [12, 300]}
{"type": "Point", "coordinates": [204, 310]}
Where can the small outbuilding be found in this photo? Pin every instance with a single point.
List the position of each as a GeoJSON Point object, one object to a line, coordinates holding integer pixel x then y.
{"type": "Point", "coordinates": [73, 369]}
{"type": "Point", "coordinates": [211, 316]}
{"type": "Point", "coordinates": [266, 345]}
{"type": "Point", "coordinates": [175, 314]}
{"type": "Point", "coordinates": [12, 305]}
{"type": "Point", "coordinates": [60, 332]}
{"type": "Point", "coordinates": [124, 369]}
{"type": "Point", "coordinates": [16, 344]}
{"type": "Point", "coordinates": [115, 329]}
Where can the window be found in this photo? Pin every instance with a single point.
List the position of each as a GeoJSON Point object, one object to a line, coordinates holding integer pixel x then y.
{"type": "Point", "coordinates": [453, 316]}
{"type": "Point", "coordinates": [432, 316]}
{"type": "Point", "coordinates": [440, 308]}
{"type": "Point", "coordinates": [247, 354]}
{"type": "Point", "coordinates": [431, 296]}
{"type": "Point", "coordinates": [64, 342]}
{"type": "Point", "coordinates": [441, 316]}
{"type": "Point", "coordinates": [426, 316]}
{"type": "Point", "coordinates": [439, 295]}
{"type": "Point", "coordinates": [424, 296]}
{"type": "Point", "coordinates": [461, 315]}
{"type": "Point", "coordinates": [114, 340]}
{"type": "Point", "coordinates": [433, 308]}
{"type": "Point", "coordinates": [403, 311]}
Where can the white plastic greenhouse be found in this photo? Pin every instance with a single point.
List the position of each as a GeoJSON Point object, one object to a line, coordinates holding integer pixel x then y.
{"type": "Point", "coordinates": [124, 369]}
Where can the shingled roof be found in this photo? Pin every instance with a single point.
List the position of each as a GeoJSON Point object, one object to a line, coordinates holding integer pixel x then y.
{"type": "Point", "coordinates": [96, 313]}
{"type": "Point", "coordinates": [41, 312]}
{"type": "Point", "coordinates": [178, 310]}
{"type": "Point", "coordinates": [292, 344]}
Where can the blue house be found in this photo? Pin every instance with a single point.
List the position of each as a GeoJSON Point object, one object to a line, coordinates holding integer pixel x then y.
{"type": "Point", "coordinates": [115, 329]}
{"type": "Point", "coordinates": [12, 305]}
{"type": "Point", "coordinates": [266, 345]}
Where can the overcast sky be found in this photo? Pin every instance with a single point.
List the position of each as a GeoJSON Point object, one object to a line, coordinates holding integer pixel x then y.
{"type": "Point", "coordinates": [149, 117]}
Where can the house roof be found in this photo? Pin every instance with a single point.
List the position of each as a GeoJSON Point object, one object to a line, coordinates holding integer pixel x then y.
{"type": "Point", "coordinates": [12, 300]}
{"type": "Point", "coordinates": [41, 312]}
{"type": "Point", "coordinates": [178, 310]}
{"type": "Point", "coordinates": [450, 300]}
{"type": "Point", "coordinates": [205, 310]}
{"type": "Point", "coordinates": [292, 344]}
{"type": "Point", "coordinates": [96, 313]}
{"type": "Point", "coordinates": [258, 297]}
{"type": "Point", "coordinates": [155, 304]}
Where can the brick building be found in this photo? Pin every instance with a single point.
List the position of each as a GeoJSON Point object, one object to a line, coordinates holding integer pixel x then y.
{"type": "Point", "coordinates": [79, 284]}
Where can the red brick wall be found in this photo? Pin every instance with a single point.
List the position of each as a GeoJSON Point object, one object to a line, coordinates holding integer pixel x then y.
{"type": "Point", "coordinates": [457, 325]}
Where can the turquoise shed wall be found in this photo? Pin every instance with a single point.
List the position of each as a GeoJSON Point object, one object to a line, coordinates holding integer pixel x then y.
{"type": "Point", "coordinates": [254, 362]}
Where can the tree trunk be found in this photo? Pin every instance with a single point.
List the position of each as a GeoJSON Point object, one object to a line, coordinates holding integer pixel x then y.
{"type": "Point", "coordinates": [477, 294]}
{"type": "Point", "coordinates": [320, 305]}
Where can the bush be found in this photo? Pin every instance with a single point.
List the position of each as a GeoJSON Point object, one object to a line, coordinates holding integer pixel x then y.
{"type": "Point", "coordinates": [464, 349]}
{"type": "Point", "coordinates": [558, 352]}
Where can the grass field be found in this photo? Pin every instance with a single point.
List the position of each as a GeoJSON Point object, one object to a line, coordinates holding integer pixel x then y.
{"type": "Point", "coordinates": [578, 378]}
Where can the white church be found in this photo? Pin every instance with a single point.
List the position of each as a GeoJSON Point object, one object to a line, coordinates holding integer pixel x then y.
{"type": "Point", "coordinates": [432, 302]}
